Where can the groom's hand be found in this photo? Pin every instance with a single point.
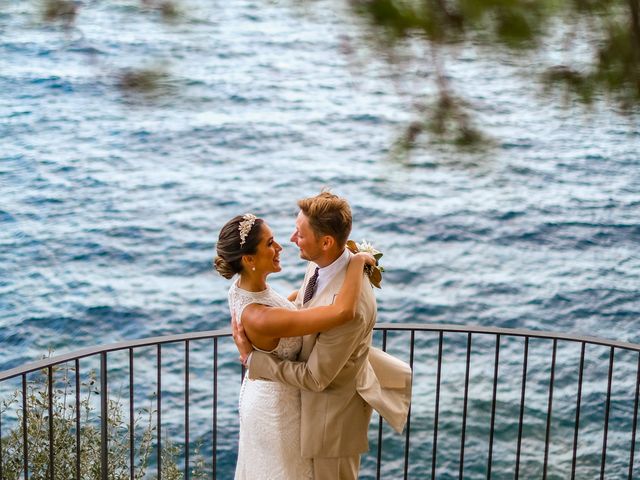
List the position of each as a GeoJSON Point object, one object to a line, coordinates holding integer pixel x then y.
{"type": "Point", "coordinates": [242, 342]}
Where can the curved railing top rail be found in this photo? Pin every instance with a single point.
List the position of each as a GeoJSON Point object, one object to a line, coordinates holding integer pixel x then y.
{"type": "Point", "coordinates": [450, 328]}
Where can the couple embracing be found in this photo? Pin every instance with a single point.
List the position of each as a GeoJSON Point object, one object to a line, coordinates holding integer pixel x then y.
{"type": "Point", "coordinates": [312, 376]}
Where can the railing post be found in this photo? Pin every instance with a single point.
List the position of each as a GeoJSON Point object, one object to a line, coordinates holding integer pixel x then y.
{"type": "Point", "coordinates": [549, 411]}
{"type": "Point", "coordinates": [104, 407]}
{"type": "Point", "coordinates": [408, 427]}
{"type": "Point", "coordinates": [437, 409]}
{"type": "Point", "coordinates": [464, 406]}
{"type": "Point", "coordinates": [25, 449]}
{"type": "Point", "coordinates": [578, 405]}
{"type": "Point", "coordinates": [159, 412]}
{"type": "Point", "coordinates": [132, 420]}
{"type": "Point", "coordinates": [522, 399]}
{"type": "Point", "coordinates": [77, 368]}
{"type": "Point", "coordinates": [493, 406]}
{"type": "Point", "coordinates": [51, 432]}
{"type": "Point", "coordinates": [606, 414]}
{"type": "Point", "coordinates": [186, 410]}
{"type": "Point", "coordinates": [215, 406]}
{"type": "Point", "coordinates": [379, 454]}
{"type": "Point", "coordinates": [635, 420]}
{"type": "Point", "coordinates": [1, 469]}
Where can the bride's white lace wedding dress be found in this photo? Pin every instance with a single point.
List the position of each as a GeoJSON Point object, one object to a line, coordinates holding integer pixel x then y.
{"type": "Point", "coordinates": [269, 446]}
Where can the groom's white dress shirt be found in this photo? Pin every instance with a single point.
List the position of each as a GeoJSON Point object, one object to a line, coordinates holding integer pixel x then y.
{"type": "Point", "coordinates": [326, 274]}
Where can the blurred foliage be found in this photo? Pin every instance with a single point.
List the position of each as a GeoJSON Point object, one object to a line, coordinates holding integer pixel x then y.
{"type": "Point", "coordinates": [167, 8]}
{"type": "Point", "coordinates": [143, 80]}
{"type": "Point", "coordinates": [600, 40]}
{"type": "Point", "coordinates": [610, 29]}
{"type": "Point", "coordinates": [149, 81]}
{"type": "Point", "coordinates": [59, 10]}
{"type": "Point", "coordinates": [444, 121]}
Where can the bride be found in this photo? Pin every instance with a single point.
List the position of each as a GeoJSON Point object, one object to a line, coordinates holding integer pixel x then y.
{"type": "Point", "coordinates": [269, 446]}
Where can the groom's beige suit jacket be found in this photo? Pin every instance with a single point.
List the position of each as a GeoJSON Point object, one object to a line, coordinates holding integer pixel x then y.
{"type": "Point", "coordinates": [341, 378]}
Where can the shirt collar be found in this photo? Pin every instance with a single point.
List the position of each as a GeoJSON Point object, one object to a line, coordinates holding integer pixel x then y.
{"type": "Point", "coordinates": [326, 274]}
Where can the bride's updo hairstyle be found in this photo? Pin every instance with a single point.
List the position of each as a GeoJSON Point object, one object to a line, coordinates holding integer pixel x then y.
{"type": "Point", "coordinates": [240, 236]}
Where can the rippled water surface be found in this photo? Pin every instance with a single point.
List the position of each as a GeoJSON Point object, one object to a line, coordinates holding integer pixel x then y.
{"type": "Point", "coordinates": [110, 202]}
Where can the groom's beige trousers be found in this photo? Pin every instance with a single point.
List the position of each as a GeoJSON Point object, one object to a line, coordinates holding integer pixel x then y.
{"type": "Point", "coordinates": [340, 468]}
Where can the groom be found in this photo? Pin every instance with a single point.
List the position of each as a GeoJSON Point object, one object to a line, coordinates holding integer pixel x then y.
{"type": "Point", "coordinates": [335, 371]}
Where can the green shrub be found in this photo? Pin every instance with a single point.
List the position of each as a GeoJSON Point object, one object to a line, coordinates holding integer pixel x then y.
{"type": "Point", "coordinates": [64, 438]}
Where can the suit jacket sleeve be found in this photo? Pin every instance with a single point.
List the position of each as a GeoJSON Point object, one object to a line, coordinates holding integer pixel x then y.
{"type": "Point", "coordinates": [330, 354]}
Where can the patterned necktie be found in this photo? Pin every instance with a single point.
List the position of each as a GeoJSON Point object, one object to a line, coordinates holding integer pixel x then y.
{"type": "Point", "coordinates": [311, 287]}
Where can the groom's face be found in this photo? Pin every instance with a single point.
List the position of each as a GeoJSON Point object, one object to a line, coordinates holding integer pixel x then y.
{"type": "Point", "coordinates": [306, 240]}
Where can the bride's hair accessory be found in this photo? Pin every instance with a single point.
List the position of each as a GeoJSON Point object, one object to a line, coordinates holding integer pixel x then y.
{"type": "Point", "coordinates": [248, 219]}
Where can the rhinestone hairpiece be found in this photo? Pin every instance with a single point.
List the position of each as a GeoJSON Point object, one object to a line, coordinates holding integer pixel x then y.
{"type": "Point", "coordinates": [248, 219]}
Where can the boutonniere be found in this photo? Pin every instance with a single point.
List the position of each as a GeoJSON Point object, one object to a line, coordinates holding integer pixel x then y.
{"type": "Point", "coordinates": [373, 272]}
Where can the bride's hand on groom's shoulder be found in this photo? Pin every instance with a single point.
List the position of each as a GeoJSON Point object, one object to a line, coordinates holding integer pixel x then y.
{"type": "Point", "coordinates": [373, 270]}
{"type": "Point", "coordinates": [367, 258]}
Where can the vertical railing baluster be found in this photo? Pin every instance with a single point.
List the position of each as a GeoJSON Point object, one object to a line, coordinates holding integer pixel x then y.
{"type": "Point", "coordinates": [51, 432]}
{"type": "Point", "coordinates": [578, 405]}
{"type": "Point", "coordinates": [186, 410]}
{"type": "Point", "coordinates": [215, 406]}
{"type": "Point", "coordinates": [547, 436]}
{"type": "Point", "coordinates": [408, 427]}
{"type": "Point", "coordinates": [159, 412]}
{"type": "Point", "coordinates": [25, 446]}
{"type": "Point", "coordinates": [437, 409]}
{"type": "Point", "coordinates": [464, 405]}
{"type": "Point", "coordinates": [606, 415]}
{"type": "Point", "coordinates": [525, 361]}
{"type": "Point", "coordinates": [132, 420]}
{"type": "Point", "coordinates": [1, 458]}
{"type": "Point", "coordinates": [493, 405]}
{"type": "Point", "coordinates": [78, 445]}
{"type": "Point", "coordinates": [104, 406]}
{"type": "Point", "coordinates": [635, 420]}
{"type": "Point", "coordinates": [379, 456]}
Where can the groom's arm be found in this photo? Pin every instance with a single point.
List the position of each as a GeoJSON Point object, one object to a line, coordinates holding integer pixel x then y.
{"type": "Point", "coordinates": [329, 356]}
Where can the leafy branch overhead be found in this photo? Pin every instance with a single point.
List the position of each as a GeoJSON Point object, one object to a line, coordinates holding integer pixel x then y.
{"type": "Point", "coordinates": [609, 30]}
{"type": "Point", "coordinates": [587, 49]}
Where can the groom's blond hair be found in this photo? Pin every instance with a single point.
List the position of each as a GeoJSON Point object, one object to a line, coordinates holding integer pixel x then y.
{"type": "Point", "coordinates": [328, 214]}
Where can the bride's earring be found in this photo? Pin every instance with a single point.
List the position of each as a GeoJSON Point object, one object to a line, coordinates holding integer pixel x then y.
{"type": "Point", "coordinates": [253, 268]}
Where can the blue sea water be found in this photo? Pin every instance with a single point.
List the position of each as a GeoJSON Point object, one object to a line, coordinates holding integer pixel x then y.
{"type": "Point", "coordinates": [111, 201]}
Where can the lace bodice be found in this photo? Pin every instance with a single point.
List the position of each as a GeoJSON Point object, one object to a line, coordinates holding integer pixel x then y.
{"type": "Point", "coordinates": [289, 347]}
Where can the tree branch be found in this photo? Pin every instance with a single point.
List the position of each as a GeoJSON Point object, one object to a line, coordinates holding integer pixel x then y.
{"type": "Point", "coordinates": [635, 22]}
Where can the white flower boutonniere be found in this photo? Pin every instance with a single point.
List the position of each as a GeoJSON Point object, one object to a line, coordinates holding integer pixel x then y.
{"type": "Point", "coordinates": [373, 272]}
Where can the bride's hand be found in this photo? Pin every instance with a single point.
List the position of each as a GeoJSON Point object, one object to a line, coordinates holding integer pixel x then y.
{"type": "Point", "coordinates": [367, 258]}
{"type": "Point", "coordinates": [243, 344]}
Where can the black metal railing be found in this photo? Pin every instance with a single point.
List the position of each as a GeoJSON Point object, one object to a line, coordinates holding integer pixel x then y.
{"type": "Point", "coordinates": [487, 402]}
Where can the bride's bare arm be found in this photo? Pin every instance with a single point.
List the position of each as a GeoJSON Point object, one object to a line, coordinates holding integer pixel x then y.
{"type": "Point", "coordinates": [281, 322]}
{"type": "Point", "coordinates": [292, 296]}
